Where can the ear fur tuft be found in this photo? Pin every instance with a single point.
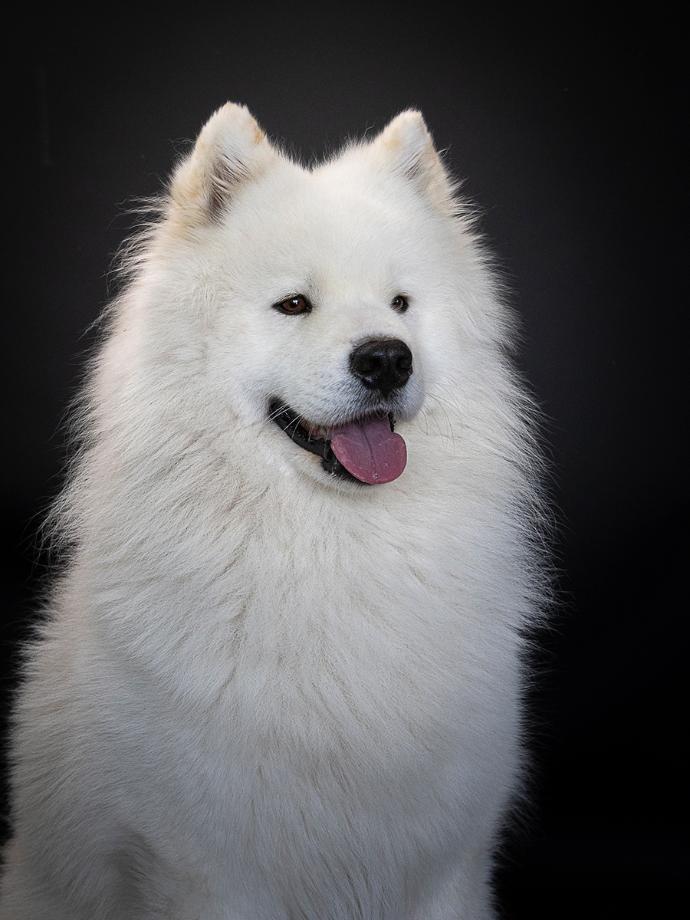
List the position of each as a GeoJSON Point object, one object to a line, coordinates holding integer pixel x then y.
{"type": "Point", "coordinates": [406, 147]}
{"type": "Point", "coordinates": [230, 150]}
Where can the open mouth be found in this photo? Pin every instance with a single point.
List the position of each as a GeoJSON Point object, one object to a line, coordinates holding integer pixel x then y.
{"type": "Point", "coordinates": [366, 449]}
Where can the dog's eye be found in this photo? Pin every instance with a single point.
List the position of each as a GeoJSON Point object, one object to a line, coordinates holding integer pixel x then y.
{"type": "Point", "coordinates": [400, 303]}
{"type": "Point", "coordinates": [293, 306]}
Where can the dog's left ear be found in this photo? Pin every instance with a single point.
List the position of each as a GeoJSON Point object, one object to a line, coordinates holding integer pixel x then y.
{"type": "Point", "coordinates": [230, 150]}
{"type": "Point", "coordinates": [406, 147]}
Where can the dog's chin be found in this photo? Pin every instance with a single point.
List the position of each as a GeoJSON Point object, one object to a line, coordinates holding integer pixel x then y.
{"type": "Point", "coordinates": [353, 453]}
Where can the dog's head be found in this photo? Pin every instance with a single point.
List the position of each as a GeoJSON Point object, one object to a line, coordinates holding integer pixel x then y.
{"type": "Point", "coordinates": [328, 296]}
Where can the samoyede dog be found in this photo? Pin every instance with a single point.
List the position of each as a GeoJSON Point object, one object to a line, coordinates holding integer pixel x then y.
{"type": "Point", "coordinates": [280, 675]}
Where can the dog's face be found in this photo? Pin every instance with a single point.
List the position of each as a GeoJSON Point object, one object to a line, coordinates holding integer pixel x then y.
{"type": "Point", "coordinates": [331, 297]}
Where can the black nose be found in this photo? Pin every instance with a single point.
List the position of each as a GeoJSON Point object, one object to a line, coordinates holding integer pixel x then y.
{"type": "Point", "coordinates": [382, 364]}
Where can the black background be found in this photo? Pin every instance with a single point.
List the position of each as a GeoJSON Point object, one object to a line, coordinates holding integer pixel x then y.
{"type": "Point", "coordinates": [568, 133]}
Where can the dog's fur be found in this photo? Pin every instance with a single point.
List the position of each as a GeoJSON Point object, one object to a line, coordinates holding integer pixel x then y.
{"type": "Point", "coordinates": [264, 692]}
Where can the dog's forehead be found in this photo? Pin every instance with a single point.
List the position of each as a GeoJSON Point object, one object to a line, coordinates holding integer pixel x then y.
{"type": "Point", "coordinates": [326, 231]}
{"type": "Point", "coordinates": [353, 218]}
{"type": "Point", "coordinates": [334, 207]}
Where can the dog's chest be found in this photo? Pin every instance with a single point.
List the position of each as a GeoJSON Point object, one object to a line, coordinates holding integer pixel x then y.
{"type": "Point", "coordinates": [347, 639]}
{"type": "Point", "coordinates": [348, 689]}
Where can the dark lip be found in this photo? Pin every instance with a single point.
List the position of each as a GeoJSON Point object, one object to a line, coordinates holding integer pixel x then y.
{"type": "Point", "coordinates": [289, 421]}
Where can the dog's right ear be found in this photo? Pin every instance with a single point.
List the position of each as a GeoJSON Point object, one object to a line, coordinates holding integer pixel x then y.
{"type": "Point", "coordinates": [230, 150]}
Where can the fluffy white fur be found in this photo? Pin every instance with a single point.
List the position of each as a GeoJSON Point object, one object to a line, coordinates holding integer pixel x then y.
{"type": "Point", "coordinates": [260, 692]}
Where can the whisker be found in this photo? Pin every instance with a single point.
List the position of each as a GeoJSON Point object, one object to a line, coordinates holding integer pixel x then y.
{"type": "Point", "coordinates": [450, 433]}
{"type": "Point", "coordinates": [276, 412]}
{"type": "Point", "coordinates": [296, 424]}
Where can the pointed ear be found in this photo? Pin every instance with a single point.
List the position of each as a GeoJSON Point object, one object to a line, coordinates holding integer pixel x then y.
{"type": "Point", "coordinates": [406, 147]}
{"type": "Point", "coordinates": [230, 150]}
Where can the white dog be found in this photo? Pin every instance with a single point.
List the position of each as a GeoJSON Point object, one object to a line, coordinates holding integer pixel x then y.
{"type": "Point", "coordinates": [280, 678]}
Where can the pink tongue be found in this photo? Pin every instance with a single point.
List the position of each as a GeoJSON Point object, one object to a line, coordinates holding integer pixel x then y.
{"type": "Point", "coordinates": [370, 450]}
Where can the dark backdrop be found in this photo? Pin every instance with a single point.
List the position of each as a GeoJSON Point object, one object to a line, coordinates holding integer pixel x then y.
{"type": "Point", "coordinates": [568, 135]}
